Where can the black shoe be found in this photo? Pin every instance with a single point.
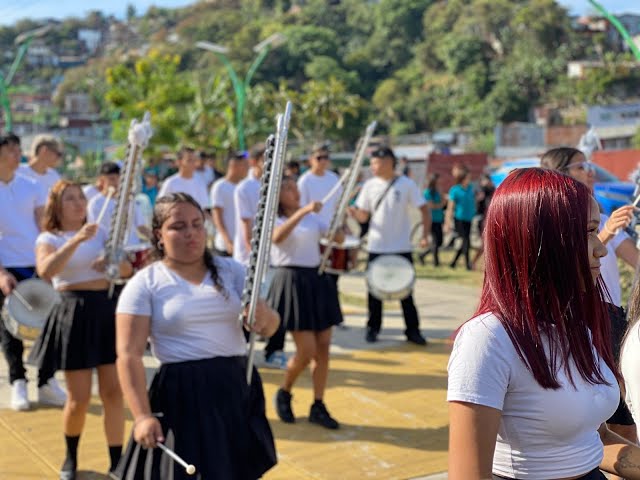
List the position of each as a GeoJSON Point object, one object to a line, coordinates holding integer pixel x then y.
{"type": "Point", "coordinates": [372, 336]}
{"type": "Point", "coordinates": [415, 337]}
{"type": "Point", "coordinates": [319, 414]}
{"type": "Point", "coordinates": [421, 258]}
{"type": "Point", "coordinates": [283, 406]}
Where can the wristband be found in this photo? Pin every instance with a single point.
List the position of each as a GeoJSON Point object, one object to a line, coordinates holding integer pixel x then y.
{"type": "Point", "coordinates": [606, 229]}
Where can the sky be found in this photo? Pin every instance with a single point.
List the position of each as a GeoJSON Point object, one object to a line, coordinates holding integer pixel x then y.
{"type": "Point", "coordinates": [12, 10]}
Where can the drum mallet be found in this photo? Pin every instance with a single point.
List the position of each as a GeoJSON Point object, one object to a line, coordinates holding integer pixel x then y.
{"type": "Point", "coordinates": [23, 300]}
{"type": "Point", "coordinates": [190, 469]}
{"type": "Point", "coordinates": [110, 193]}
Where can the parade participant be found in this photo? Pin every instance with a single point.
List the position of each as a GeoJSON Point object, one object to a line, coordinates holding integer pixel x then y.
{"type": "Point", "coordinates": [306, 301]}
{"type": "Point", "coordinates": [188, 304]}
{"type": "Point", "coordinates": [150, 185]}
{"type": "Point", "coordinates": [80, 333]}
{"type": "Point", "coordinates": [384, 201]}
{"type": "Point", "coordinates": [460, 212]}
{"type": "Point", "coordinates": [46, 156]}
{"type": "Point", "coordinates": [532, 377]}
{"type": "Point", "coordinates": [185, 180]}
{"type": "Point", "coordinates": [292, 169]}
{"type": "Point", "coordinates": [223, 206]}
{"type": "Point", "coordinates": [22, 201]}
{"type": "Point", "coordinates": [436, 203]}
{"type": "Point", "coordinates": [611, 232]}
{"type": "Point", "coordinates": [485, 191]}
{"type": "Point", "coordinates": [318, 181]}
{"type": "Point", "coordinates": [110, 179]}
{"type": "Point", "coordinates": [246, 198]}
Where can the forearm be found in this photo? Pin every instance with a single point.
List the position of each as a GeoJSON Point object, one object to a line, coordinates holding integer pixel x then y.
{"type": "Point", "coordinates": [281, 232]}
{"type": "Point", "coordinates": [133, 382]}
{"type": "Point", "coordinates": [362, 216]}
{"type": "Point", "coordinates": [605, 235]}
{"type": "Point", "coordinates": [55, 262]}
{"type": "Point", "coordinates": [246, 233]}
{"type": "Point", "coordinates": [219, 224]}
{"type": "Point", "coordinates": [621, 457]}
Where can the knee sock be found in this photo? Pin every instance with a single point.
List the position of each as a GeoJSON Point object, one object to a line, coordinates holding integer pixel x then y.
{"type": "Point", "coordinates": [115, 452]}
{"type": "Point", "coordinates": [71, 461]}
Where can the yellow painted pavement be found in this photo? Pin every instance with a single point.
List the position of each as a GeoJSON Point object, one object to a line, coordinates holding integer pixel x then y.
{"type": "Point", "coordinates": [390, 402]}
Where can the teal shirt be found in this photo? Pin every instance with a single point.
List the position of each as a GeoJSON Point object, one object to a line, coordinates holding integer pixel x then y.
{"type": "Point", "coordinates": [465, 200]}
{"type": "Point", "coordinates": [437, 214]}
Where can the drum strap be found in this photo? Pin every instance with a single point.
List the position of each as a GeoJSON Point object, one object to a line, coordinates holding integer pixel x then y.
{"type": "Point", "coordinates": [384, 194]}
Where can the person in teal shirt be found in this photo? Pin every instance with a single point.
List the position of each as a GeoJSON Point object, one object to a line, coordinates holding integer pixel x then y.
{"type": "Point", "coordinates": [460, 212]}
{"type": "Point", "coordinates": [436, 202]}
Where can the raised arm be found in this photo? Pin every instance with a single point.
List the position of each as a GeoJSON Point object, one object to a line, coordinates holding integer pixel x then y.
{"type": "Point", "coordinates": [281, 232]}
{"type": "Point", "coordinates": [51, 261]}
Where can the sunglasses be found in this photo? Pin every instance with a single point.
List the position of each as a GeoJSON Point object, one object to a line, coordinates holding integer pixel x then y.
{"type": "Point", "coordinates": [586, 166]}
{"type": "Point", "coordinates": [322, 157]}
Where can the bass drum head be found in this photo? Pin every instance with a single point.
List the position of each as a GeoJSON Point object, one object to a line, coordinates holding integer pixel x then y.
{"type": "Point", "coordinates": [25, 313]}
{"type": "Point", "coordinates": [390, 277]}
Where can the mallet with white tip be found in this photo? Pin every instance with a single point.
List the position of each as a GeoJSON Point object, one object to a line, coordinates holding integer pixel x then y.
{"type": "Point", "coordinates": [190, 469]}
{"type": "Point", "coordinates": [110, 193]}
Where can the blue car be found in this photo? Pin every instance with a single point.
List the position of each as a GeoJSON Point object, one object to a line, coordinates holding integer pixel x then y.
{"type": "Point", "coordinates": [609, 191]}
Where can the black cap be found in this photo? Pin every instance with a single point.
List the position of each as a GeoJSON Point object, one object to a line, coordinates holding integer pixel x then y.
{"type": "Point", "coordinates": [383, 152]}
{"type": "Point", "coordinates": [109, 168]}
{"type": "Point", "coordinates": [9, 138]}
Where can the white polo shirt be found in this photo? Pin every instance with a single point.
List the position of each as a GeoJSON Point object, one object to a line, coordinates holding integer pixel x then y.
{"type": "Point", "coordinates": [222, 197]}
{"type": "Point", "coordinates": [389, 225]}
{"type": "Point", "coordinates": [47, 179]}
{"type": "Point", "coordinates": [19, 200]}
{"type": "Point", "coordinates": [313, 188]}
{"type": "Point", "coordinates": [193, 186]}
{"type": "Point", "coordinates": [246, 197]}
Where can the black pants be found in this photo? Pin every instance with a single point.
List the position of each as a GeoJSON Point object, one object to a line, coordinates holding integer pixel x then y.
{"type": "Point", "coordinates": [463, 229]}
{"type": "Point", "coordinates": [13, 347]}
{"type": "Point", "coordinates": [409, 311]}
{"type": "Point", "coordinates": [436, 236]}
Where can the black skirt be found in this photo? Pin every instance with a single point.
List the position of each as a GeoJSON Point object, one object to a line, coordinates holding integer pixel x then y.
{"type": "Point", "coordinates": [80, 332]}
{"type": "Point", "coordinates": [304, 299]}
{"type": "Point", "coordinates": [211, 418]}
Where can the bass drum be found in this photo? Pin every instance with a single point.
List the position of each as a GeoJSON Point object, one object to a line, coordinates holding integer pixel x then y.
{"type": "Point", "coordinates": [390, 277]}
{"type": "Point", "coordinates": [27, 308]}
{"type": "Point", "coordinates": [342, 256]}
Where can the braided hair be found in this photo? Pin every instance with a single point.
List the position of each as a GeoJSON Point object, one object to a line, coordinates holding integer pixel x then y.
{"type": "Point", "coordinates": [161, 213]}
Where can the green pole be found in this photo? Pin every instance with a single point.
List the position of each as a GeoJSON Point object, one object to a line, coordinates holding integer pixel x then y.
{"type": "Point", "coordinates": [240, 89]}
{"type": "Point", "coordinates": [5, 83]}
{"type": "Point", "coordinates": [616, 23]}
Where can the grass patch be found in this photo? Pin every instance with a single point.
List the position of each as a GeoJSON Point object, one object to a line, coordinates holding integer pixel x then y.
{"type": "Point", "coordinates": [460, 275]}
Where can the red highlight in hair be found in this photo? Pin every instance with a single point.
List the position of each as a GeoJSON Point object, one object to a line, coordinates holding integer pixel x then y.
{"type": "Point", "coordinates": [538, 279]}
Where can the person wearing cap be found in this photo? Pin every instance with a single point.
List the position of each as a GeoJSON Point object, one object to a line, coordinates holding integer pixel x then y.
{"type": "Point", "coordinates": [110, 178]}
{"type": "Point", "coordinates": [384, 201]}
{"type": "Point", "coordinates": [46, 156]}
{"type": "Point", "coordinates": [23, 201]}
{"type": "Point", "coordinates": [185, 180]}
{"type": "Point", "coordinates": [222, 203]}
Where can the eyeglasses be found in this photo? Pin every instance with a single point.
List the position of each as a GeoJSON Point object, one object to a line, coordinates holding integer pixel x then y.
{"type": "Point", "coordinates": [585, 166]}
{"type": "Point", "coordinates": [322, 157]}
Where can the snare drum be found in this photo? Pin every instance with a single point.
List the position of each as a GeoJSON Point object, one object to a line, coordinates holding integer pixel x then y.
{"type": "Point", "coordinates": [342, 256]}
{"type": "Point", "coordinates": [390, 277]}
{"type": "Point", "coordinates": [27, 308]}
{"type": "Point", "coordinates": [138, 255]}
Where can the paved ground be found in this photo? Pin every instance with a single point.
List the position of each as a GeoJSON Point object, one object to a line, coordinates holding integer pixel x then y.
{"type": "Point", "coordinates": [389, 398]}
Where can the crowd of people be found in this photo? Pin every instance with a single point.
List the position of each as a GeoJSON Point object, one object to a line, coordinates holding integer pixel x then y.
{"type": "Point", "coordinates": [543, 380]}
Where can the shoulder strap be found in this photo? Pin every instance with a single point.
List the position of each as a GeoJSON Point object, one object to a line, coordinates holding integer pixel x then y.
{"type": "Point", "coordinates": [384, 194]}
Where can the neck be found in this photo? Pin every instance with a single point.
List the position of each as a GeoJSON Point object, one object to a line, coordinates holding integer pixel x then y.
{"type": "Point", "coordinates": [386, 175]}
{"type": "Point", "coordinates": [71, 226]}
{"type": "Point", "coordinates": [185, 267]}
{"type": "Point", "coordinates": [38, 165]}
{"type": "Point", "coordinates": [233, 177]}
{"type": "Point", "coordinates": [257, 172]}
{"type": "Point", "coordinates": [318, 171]}
{"type": "Point", "coordinates": [184, 174]}
{"type": "Point", "coordinates": [6, 175]}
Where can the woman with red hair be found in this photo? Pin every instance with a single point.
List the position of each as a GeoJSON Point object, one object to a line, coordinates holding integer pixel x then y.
{"type": "Point", "coordinates": [532, 377]}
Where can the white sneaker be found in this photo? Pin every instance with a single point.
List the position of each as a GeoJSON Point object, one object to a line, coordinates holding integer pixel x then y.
{"type": "Point", "coordinates": [52, 394]}
{"type": "Point", "coordinates": [19, 397]}
{"type": "Point", "coordinates": [277, 360]}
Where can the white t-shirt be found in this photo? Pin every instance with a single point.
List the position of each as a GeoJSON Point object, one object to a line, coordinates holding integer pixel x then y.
{"type": "Point", "coordinates": [47, 179]}
{"type": "Point", "coordinates": [630, 367]}
{"type": "Point", "coordinates": [90, 191]}
{"type": "Point", "coordinates": [389, 226]}
{"type": "Point", "coordinates": [246, 198]}
{"type": "Point", "coordinates": [609, 264]}
{"type": "Point", "coordinates": [18, 230]}
{"type": "Point", "coordinates": [313, 188]}
{"type": "Point", "coordinates": [222, 197]}
{"type": "Point", "coordinates": [93, 212]}
{"type": "Point", "coordinates": [193, 186]}
{"type": "Point", "coordinates": [302, 247]}
{"type": "Point", "coordinates": [78, 267]}
{"type": "Point", "coordinates": [543, 433]}
{"type": "Point", "coordinates": [188, 322]}
{"type": "Point", "coordinates": [206, 176]}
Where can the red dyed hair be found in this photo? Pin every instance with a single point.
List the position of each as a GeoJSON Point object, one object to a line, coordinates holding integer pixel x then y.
{"type": "Point", "coordinates": [538, 279]}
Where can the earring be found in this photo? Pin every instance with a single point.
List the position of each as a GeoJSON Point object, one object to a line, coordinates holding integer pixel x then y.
{"type": "Point", "coordinates": [160, 246]}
